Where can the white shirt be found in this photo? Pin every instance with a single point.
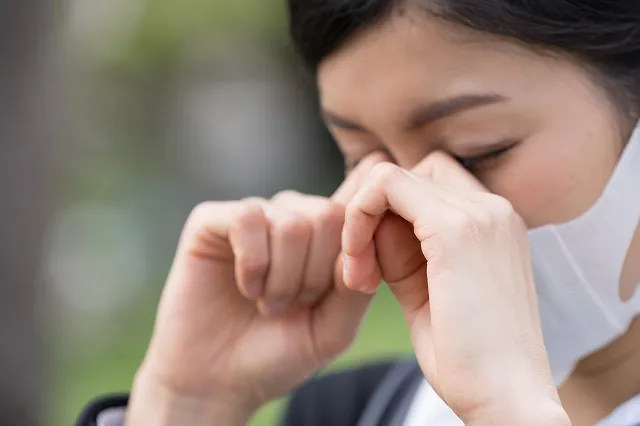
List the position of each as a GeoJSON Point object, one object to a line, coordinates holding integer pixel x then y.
{"type": "Point", "coordinates": [429, 409]}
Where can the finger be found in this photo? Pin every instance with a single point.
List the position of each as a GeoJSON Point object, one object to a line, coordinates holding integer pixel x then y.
{"type": "Point", "coordinates": [290, 234]}
{"type": "Point", "coordinates": [336, 320]}
{"type": "Point", "coordinates": [354, 180]}
{"type": "Point", "coordinates": [207, 220]}
{"type": "Point", "coordinates": [235, 232]}
{"type": "Point", "coordinates": [323, 252]}
{"type": "Point", "coordinates": [389, 187]}
{"type": "Point", "coordinates": [327, 219]}
{"type": "Point", "coordinates": [249, 239]}
{"type": "Point", "coordinates": [446, 171]}
{"type": "Point", "coordinates": [362, 272]}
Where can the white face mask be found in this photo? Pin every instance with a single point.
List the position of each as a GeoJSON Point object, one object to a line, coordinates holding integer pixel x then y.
{"type": "Point", "coordinates": [578, 269]}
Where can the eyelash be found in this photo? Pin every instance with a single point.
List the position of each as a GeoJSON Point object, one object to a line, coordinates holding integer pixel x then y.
{"type": "Point", "coordinates": [472, 164]}
{"type": "Point", "coordinates": [484, 161]}
{"type": "Point", "coordinates": [352, 163]}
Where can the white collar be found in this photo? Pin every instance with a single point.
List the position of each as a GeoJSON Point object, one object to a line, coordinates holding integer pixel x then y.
{"type": "Point", "coordinates": [429, 409]}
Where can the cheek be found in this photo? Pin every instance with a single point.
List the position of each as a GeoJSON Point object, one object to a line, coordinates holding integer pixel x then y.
{"type": "Point", "coordinates": [554, 180]}
{"type": "Point", "coordinates": [539, 195]}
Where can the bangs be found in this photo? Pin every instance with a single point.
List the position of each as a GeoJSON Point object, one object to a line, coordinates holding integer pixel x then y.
{"type": "Point", "coordinates": [320, 27]}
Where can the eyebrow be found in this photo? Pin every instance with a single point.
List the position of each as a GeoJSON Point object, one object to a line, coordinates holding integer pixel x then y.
{"type": "Point", "coordinates": [449, 107]}
{"type": "Point", "coordinates": [335, 120]}
{"type": "Point", "coordinates": [425, 114]}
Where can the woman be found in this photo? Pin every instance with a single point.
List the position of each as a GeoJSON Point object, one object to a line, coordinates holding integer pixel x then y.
{"type": "Point", "coordinates": [464, 123]}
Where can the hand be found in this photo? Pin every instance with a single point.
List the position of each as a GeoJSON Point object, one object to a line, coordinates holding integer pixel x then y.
{"type": "Point", "coordinates": [456, 258]}
{"type": "Point", "coordinates": [253, 305]}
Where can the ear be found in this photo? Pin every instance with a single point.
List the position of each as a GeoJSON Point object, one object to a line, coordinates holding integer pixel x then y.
{"type": "Point", "coordinates": [630, 278]}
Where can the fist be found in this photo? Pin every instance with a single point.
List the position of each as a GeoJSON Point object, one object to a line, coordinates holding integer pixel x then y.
{"type": "Point", "coordinates": [255, 302]}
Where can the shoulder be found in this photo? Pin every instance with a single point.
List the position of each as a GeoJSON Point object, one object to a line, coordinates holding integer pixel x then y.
{"type": "Point", "coordinates": [338, 398]}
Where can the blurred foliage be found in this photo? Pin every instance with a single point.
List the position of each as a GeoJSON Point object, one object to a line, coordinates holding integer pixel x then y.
{"type": "Point", "coordinates": [124, 164]}
{"type": "Point", "coordinates": [168, 27]}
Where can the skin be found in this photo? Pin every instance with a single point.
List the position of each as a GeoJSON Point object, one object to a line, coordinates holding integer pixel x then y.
{"type": "Point", "coordinates": [568, 133]}
{"type": "Point", "coordinates": [263, 293]}
{"type": "Point", "coordinates": [570, 139]}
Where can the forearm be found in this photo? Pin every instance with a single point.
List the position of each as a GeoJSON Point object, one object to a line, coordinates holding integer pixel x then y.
{"type": "Point", "coordinates": [153, 405]}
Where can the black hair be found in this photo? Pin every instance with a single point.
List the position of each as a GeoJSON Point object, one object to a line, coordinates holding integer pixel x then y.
{"type": "Point", "coordinates": [603, 35]}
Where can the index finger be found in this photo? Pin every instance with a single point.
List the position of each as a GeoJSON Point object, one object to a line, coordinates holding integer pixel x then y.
{"type": "Point", "coordinates": [446, 171]}
{"type": "Point", "coordinates": [354, 180]}
{"type": "Point", "coordinates": [391, 188]}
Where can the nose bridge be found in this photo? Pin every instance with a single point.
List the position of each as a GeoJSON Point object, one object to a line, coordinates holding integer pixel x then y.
{"type": "Point", "coordinates": [407, 149]}
{"type": "Point", "coordinates": [386, 109]}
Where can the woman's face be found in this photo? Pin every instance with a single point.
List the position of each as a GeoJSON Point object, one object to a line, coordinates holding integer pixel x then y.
{"type": "Point", "coordinates": [533, 128]}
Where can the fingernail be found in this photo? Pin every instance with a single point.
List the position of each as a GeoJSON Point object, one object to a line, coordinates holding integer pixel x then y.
{"type": "Point", "coordinates": [277, 308]}
{"type": "Point", "coordinates": [254, 288]}
{"type": "Point", "coordinates": [369, 290]}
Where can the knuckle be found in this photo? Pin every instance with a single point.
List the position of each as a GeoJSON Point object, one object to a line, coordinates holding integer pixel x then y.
{"type": "Point", "coordinates": [250, 212]}
{"type": "Point", "coordinates": [200, 214]}
{"type": "Point", "coordinates": [464, 226]}
{"type": "Point", "coordinates": [351, 210]}
{"type": "Point", "coordinates": [433, 251]}
{"type": "Point", "coordinates": [201, 210]}
{"type": "Point", "coordinates": [287, 195]}
{"type": "Point", "coordinates": [331, 215]}
{"type": "Point", "coordinates": [470, 226]}
{"type": "Point", "coordinates": [385, 172]}
{"type": "Point", "coordinates": [501, 207]}
{"type": "Point", "coordinates": [485, 219]}
{"type": "Point", "coordinates": [498, 212]}
{"type": "Point", "coordinates": [292, 227]}
{"type": "Point", "coordinates": [254, 201]}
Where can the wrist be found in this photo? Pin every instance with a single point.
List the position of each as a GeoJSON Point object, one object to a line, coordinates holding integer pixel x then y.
{"type": "Point", "coordinates": [523, 414]}
{"type": "Point", "coordinates": [152, 403]}
{"type": "Point", "coordinates": [519, 398]}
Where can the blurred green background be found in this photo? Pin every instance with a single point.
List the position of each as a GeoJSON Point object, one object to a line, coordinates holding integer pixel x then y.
{"type": "Point", "coordinates": [90, 372]}
{"type": "Point", "coordinates": [170, 102]}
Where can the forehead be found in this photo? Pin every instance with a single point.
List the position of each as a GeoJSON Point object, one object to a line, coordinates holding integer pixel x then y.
{"type": "Point", "coordinates": [412, 58]}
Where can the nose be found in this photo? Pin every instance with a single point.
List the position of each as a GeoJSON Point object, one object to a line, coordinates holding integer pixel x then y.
{"type": "Point", "coordinates": [408, 152]}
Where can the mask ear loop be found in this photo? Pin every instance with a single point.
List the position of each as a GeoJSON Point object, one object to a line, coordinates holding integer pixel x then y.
{"type": "Point", "coordinates": [593, 294]}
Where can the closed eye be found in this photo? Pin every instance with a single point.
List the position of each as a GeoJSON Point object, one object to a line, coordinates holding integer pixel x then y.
{"type": "Point", "coordinates": [485, 161]}
{"type": "Point", "coordinates": [350, 163]}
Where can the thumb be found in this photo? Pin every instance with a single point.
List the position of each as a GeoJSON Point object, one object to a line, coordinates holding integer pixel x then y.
{"type": "Point", "coordinates": [337, 318]}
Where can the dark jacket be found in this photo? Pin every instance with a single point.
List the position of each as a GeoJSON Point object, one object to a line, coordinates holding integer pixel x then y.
{"type": "Point", "coordinates": [375, 395]}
